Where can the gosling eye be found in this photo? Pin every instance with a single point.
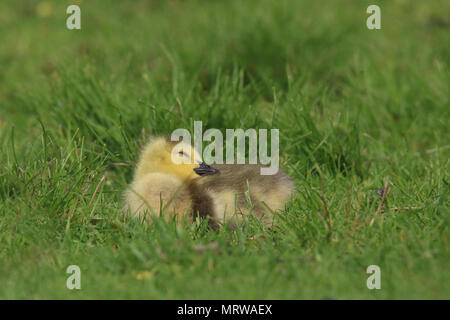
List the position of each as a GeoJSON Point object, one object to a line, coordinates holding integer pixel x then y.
{"type": "Point", "coordinates": [183, 154]}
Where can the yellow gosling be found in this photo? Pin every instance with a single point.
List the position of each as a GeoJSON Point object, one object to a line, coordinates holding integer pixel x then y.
{"type": "Point", "coordinates": [159, 180]}
{"type": "Point", "coordinates": [223, 192]}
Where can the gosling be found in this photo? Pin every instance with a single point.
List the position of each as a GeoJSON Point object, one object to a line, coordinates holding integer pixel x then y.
{"type": "Point", "coordinates": [225, 193]}
{"type": "Point", "coordinates": [159, 184]}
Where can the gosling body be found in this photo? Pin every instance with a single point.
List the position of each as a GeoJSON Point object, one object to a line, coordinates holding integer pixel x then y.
{"type": "Point", "coordinates": [237, 190]}
{"type": "Point", "coordinates": [193, 189]}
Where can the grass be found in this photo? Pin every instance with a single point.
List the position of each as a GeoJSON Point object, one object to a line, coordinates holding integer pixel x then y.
{"type": "Point", "coordinates": [353, 107]}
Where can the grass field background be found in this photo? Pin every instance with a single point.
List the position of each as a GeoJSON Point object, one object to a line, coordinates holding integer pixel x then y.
{"type": "Point", "coordinates": [353, 107]}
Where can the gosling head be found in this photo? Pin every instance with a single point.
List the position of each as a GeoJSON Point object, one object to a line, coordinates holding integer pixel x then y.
{"type": "Point", "coordinates": [177, 158]}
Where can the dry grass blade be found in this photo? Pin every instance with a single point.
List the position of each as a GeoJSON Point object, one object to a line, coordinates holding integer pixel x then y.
{"type": "Point", "coordinates": [405, 208]}
{"type": "Point", "coordinates": [383, 199]}
{"type": "Point", "coordinates": [98, 187]}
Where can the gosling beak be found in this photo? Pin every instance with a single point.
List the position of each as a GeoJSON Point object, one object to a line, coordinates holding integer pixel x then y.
{"type": "Point", "coordinates": [205, 169]}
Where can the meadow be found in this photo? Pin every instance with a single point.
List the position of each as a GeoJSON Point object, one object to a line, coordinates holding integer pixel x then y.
{"type": "Point", "coordinates": [364, 120]}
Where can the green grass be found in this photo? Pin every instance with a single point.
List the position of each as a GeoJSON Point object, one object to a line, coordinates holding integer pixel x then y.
{"type": "Point", "coordinates": [353, 107]}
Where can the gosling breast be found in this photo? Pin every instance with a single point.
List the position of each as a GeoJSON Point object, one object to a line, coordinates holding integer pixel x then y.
{"type": "Point", "coordinates": [158, 193]}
